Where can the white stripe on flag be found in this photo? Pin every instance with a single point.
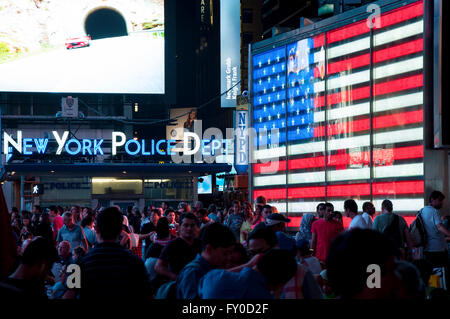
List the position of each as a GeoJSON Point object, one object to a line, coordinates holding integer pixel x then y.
{"type": "Point", "coordinates": [413, 134]}
{"type": "Point", "coordinates": [306, 148]}
{"type": "Point", "coordinates": [270, 153]}
{"type": "Point", "coordinates": [348, 48]}
{"type": "Point", "coordinates": [398, 102]}
{"type": "Point", "coordinates": [398, 33]}
{"type": "Point", "coordinates": [349, 174]}
{"type": "Point", "coordinates": [349, 80]}
{"type": "Point", "coordinates": [270, 180]}
{"type": "Point", "coordinates": [350, 142]}
{"type": "Point", "coordinates": [402, 205]}
{"type": "Point", "coordinates": [398, 68]}
{"type": "Point", "coordinates": [302, 178]}
{"type": "Point", "coordinates": [403, 170]}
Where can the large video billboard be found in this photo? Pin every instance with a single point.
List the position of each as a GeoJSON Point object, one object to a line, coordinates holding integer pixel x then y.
{"type": "Point", "coordinates": [83, 46]}
{"type": "Point", "coordinates": [348, 104]}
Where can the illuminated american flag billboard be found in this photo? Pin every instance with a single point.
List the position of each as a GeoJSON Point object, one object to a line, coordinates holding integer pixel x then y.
{"type": "Point", "coordinates": [348, 106]}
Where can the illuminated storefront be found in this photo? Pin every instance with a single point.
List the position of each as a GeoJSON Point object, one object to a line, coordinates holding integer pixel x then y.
{"type": "Point", "coordinates": [347, 98]}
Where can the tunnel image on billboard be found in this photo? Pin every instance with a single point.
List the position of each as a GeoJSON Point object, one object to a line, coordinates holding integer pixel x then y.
{"type": "Point", "coordinates": [83, 46]}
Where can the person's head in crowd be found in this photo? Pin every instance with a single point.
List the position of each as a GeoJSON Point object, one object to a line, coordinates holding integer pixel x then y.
{"type": "Point", "coordinates": [164, 205]}
{"type": "Point", "coordinates": [303, 249]}
{"type": "Point", "coordinates": [436, 199]}
{"type": "Point", "coordinates": [68, 219]}
{"type": "Point", "coordinates": [135, 211]}
{"type": "Point", "coordinates": [258, 211]}
{"type": "Point", "coordinates": [197, 206]}
{"type": "Point", "coordinates": [53, 211]}
{"type": "Point", "coordinates": [212, 209]}
{"type": "Point", "coordinates": [37, 260]}
{"type": "Point", "coordinates": [409, 281]}
{"type": "Point", "coordinates": [170, 215]}
{"type": "Point", "coordinates": [108, 225]}
{"type": "Point", "coordinates": [350, 255]}
{"type": "Point", "coordinates": [261, 241]}
{"type": "Point", "coordinates": [25, 243]}
{"type": "Point", "coordinates": [386, 206]}
{"type": "Point", "coordinates": [64, 249]}
{"type": "Point", "coordinates": [236, 207]}
{"type": "Point", "coordinates": [184, 207]}
{"type": "Point", "coordinates": [26, 218]}
{"type": "Point", "coordinates": [14, 210]}
{"type": "Point", "coordinates": [260, 200]}
{"type": "Point", "coordinates": [320, 209]}
{"type": "Point", "coordinates": [277, 266]}
{"type": "Point", "coordinates": [162, 228]}
{"type": "Point", "coordinates": [238, 257]}
{"type": "Point", "coordinates": [129, 210]}
{"type": "Point", "coordinates": [37, 209]}
{"type": "Point", "coordinates": [60, 210]}
{"type": "Point", "coordinates": [87, 221]}
{"type": "Point", "coordinates": [368, 208]}
{"type": "Point", "coordinates": [217, 245]}
{"type": "Point", "coordinates": [17, 223]}
{"type": "Point", "coordinates": [44, 218]}
{"type": "Point", "coordinates": [188, 226]}
{"type": "Point", "coordinates": [202, 215]}
{"type": "Point", "coordinates": [87, 211]}
{"type": "Point", "coordinates": [76, 211]}
{"type": "Point", "coordinates": [78, 253]}
{"type": "Point", "coordinates": [337, 216]}
{"type": "Point", "coordinates": [266, 211]}
{"type": "Point", "coordinates": [247, 210]}
{"type": "Point", "coordinates": [329, 209]}
{"type": "Point", "coordinates": [277, 222]}
{"type": "Point", "coordinates": [26, 235]}
{"type": "Point", "coordinates": [155, 216]}
{"type": "Point", "coordinates": [350, 208]}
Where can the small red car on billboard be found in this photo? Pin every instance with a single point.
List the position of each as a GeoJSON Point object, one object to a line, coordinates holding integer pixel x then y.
{"type": "Point", "coordinates": [78, 42]}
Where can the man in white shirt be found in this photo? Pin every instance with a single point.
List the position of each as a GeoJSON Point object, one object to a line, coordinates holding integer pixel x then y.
{"type": "Point", "coordinates": [436, 247]}
{"type": "Point", "coordinates": [351, 210]}
{"type": "Point", "coordinates": [368, 212]}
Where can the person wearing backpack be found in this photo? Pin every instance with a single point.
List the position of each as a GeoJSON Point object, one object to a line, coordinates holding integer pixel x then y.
{"type": "Point", "coordinates": [395, 228]}
{"type": "Point", "coordinates": [218, 243]}
{"type": "Point", "coordinates": [436, 245]}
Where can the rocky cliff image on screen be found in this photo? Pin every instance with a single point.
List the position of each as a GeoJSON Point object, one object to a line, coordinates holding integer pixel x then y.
{"type": "Point", "coordinates": [83, 46]}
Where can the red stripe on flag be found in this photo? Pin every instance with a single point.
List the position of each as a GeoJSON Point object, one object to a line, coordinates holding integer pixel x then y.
{"type": "Point", "coordinates": [271, 167]}
{"type": "Point", "coordinates": [398, 51]}
{"type": "Point", "coordinates": [348, 64]}
{"type": "Point", "coordinates": [348, 190]}
{"type": "Point", "coordinates": [407, 83]}
{"type": "Point", "coordinates": [349, 96]}
{"type": "Point", "coordinates": [319, 40]}
{"type": "Point", "coordinates": [399, 119]}
{"type": "Point", "coordinates": [387, 19]}
{"type": "Point", "coordinates": [400, 15]}
{"type": "Point", "coordinates": [306, 192]}
{"type": "Point", "coordinates": [398, 188]}
{"type": "Point", "coordinates": [303, 163]}
{"type": "Point", "coordinates": [347, 32]}
{"type": "Point", "coordinates": [273, 193]}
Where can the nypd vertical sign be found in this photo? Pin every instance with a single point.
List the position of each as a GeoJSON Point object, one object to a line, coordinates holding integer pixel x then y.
{"type": "Point", "coordinates": [230, 51]}
{"type": "Point", "coordinates": [241, 142]}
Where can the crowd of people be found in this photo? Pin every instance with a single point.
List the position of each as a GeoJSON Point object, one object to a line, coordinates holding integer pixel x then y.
{"type": "Point", "coordinates": [239, 252]}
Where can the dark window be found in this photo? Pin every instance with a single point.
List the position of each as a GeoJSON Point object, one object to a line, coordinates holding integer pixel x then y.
{"type": "Point", "coordinates": [247, 16]}
{"type": "Point", "coordinates": [247, 37]}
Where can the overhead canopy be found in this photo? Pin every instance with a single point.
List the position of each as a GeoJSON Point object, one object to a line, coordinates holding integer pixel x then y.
{"type": "Point", "coordinates": [115, 169]}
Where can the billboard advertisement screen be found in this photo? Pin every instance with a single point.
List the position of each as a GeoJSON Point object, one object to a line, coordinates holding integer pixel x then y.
{"type": "Point", "coordinates": [348, 104]}
{"type": "Point", "coordinates": [60, 46]}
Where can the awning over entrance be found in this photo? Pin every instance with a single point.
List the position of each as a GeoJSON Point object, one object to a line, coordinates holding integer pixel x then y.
{"type": "Point", "coordinates": [116, 169]}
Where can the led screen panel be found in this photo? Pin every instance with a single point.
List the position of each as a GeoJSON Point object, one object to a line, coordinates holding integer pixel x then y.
{"type": "Point", "coordinates": [353, 127]}
{"type": "Point", "coordinates": [109, 46]}
{"type": "Point", "coordinates": [205, 184]}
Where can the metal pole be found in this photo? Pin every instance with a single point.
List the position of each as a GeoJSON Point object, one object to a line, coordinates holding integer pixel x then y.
{"type": "Point", "coordinates": [22, 201]}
